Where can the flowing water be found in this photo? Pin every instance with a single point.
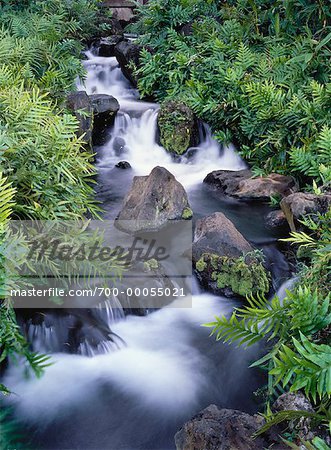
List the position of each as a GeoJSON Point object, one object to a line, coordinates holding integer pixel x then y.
{"type": "Point", "coordinates": [134, 392]}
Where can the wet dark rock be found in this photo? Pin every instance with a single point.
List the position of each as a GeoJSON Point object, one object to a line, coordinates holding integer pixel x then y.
{"type": "Point", "coordinates": [105, 108]}
{"type": "Point", "coordinates": [295, 206]}
{"type": "Point", "coordinates": [79, 103]}
{"type": "Point", "coordinates": [222, 429]}
{"type": "Point", "coordinates": [152, 201]}
{"type": "Point", "coordinates": [128, 53]}
{"type": "Point", "coordinates": [178, 127]}
{"type": "Point", "coordinates": [149, 274]}
{"type": "Point", "coordinates": [119, 145]}
{"type": "Point", "coordinates": [123, 165]}
{"type": "Point", "coordinates": [241, 184]}
{"type": "Point", "coordinates": [106, 46]}
{"type": "Point", "coordinates": [224, 261]}
{"type": "Point", "coordinates": [276, 219]}
{"type": "Point", "coordinates": [187, 29]}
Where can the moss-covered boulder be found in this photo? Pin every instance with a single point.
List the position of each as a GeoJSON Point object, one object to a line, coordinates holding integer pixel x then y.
{"type": "Point", "coordinates": [178, 127]}
{"type": "Point", "coordinates": [225, 263]}
{"type": "Point", "coordinates": [241, 276]}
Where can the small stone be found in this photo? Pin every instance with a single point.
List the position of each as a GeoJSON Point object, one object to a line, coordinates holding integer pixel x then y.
{"type": "Point", "coordinates": [123, 165]}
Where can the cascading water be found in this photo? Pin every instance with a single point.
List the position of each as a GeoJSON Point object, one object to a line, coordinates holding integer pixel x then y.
{"type": "Point", "coordinates": [134, 391]}
{"type": "Point", "coordinates": [133, 136]}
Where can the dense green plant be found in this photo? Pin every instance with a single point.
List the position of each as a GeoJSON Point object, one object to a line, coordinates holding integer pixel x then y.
{"type": "Point", "coordinates": [45, 170]}
{"type": "Point", "coordinates": [297, 328]}
{"type": "Point", "coordinates": [43, 158]}
{"type": "Point", "coordinates": [258, 72]}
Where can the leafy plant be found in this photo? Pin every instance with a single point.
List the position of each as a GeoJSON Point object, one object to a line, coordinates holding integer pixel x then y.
{"type": "Point", "coordinates": [256, 71]}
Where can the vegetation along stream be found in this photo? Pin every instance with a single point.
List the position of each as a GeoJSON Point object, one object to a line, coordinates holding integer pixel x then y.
{"type": "Point", "coordinates": [212, 114]}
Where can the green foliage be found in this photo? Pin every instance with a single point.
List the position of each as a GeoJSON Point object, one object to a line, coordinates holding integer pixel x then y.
{"type": "Point", "coordinates": [45, 170]}
{"type": "Point", "coordinates": [300, 311]}
{"type": "Point", "coordinates": [317, 271]}
{"type": "Point", "coordinates": [257, 71]}
{"type": "Point", "coordinates": [309, 364]}
{"type": "Point", "coordinates": [43, 158]}
{"type": "Point", "coordinates": [296, 329]}
{"type": "Point", "coordinates": [9, 437]}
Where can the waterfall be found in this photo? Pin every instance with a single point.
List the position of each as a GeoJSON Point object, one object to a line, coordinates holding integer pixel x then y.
{"type": "Point", "coordinates": [134, 135]}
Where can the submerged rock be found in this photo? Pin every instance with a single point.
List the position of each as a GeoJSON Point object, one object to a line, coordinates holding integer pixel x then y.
{"type": "Point", "coordinates": [297, 205]}
{"type": "Point", "coordinates": [105, 108]}
{"type": "Point", "coordinates": [225, 263]}
{"type": "Point", "coordinates": [128, 55]}
{"type": "Point", "coordinates": [123, 165]}
{"type": "Point", "coordinates": [152, 201]}
{"type": "Point", "coordinates": [80, 104]}
{"type": "Point", "coordinates": [178, 127]}
{"type": "Point", "coordinates": [222, 429]}
{"type": "Point", "coordinates": [241, 184]}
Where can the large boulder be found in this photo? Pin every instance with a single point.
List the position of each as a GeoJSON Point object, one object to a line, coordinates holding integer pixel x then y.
{"type": "Point", "coordinates": [225, 263]}
{"type": "Point", "coordinates": [241, 184]}
{"type": "Point", "coordinates": [222, 429]}
{"type": "Point", "coordinates": [178, 127]}
{"type": "Point", "coordinates": [104, 108]}
{"type": "Point", "coordinates": [297, 205]}
{"type": "Point", "coordinates": [152, 201]}
{"type": "Point", "coordinates": [80, 104]}
{"type": "Point", "coordinates": [128, 55]}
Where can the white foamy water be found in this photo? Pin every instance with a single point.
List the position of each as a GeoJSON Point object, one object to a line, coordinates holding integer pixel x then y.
{"type": "Point", "coordinates": [133, 137]}
{"type": "Point", "coordinates": [158, 366]}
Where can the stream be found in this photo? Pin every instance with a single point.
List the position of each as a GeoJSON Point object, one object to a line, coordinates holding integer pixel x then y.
{"type": "Point", "coordinates": [137, 395]}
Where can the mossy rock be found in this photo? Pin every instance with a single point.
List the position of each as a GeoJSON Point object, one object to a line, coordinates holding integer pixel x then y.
{"type": "Point", "coordinates": [178, 127]}
{"type": "Point", "coordinates": [241, 276]}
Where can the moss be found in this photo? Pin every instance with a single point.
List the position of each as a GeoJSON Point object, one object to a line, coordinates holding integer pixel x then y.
{"type": "Point", "coordinates": [243, 275]}
{"type": "Point", "coordinates": [201, 265]}
{"type": "Point", "coordinates": [177, 127]}
{"type": "Point", "coordinates": [151, 264]}
{"type": "Point", "coordinates": [187, 213]}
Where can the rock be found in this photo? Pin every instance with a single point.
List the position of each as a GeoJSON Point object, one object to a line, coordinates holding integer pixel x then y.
{"type": "Point", "coordinates": [104, 108]}
{"type": "Point", "coordinates": [123, 15]}
{"type": "Point", "coordinates": [295, 206]}
{"type": "Point", "coordinates": [80, 104]}
{"type": "Point", "coordinates": [222, 429]}
{"type": "Point", "coordinates": [178, 127]}
{"type": "Point", "coordinates": [276, 219]}
{"type": "Point", "coordinates": [296, 401]}
{"type": "Point", "coordinates": [216, 233]}
{"type": "Point", "coordinates": [128, 53]}
{"type": "Point", "coordinates": [224, 261]}
{"type": "Point", "coordinates": [187, 29]}
{"type": "Point", "coordinates": [152, 201]}
{"type": "Point", "coordinates": [241, 184]}
{"type": "Point", "coordinates": [105, 46]}
{"type": "Point", "coordinates": [123, 165]}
